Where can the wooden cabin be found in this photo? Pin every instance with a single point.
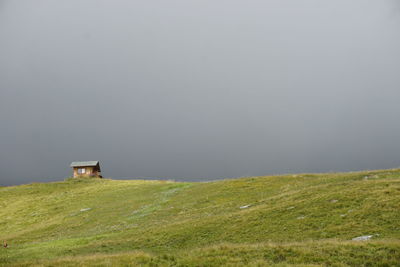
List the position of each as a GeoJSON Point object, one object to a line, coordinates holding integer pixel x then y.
{"type": "Point", "coordinates": [86, 168]}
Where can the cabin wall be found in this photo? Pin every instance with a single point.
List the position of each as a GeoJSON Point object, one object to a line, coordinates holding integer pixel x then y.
{"type": "Point", "coordinates": [89, 171]}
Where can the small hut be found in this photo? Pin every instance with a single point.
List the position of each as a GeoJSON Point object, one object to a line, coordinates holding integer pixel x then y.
{"type": "Point", "coordinates": [86, 168]}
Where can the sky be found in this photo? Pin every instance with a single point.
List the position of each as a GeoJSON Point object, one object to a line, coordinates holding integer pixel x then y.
{"type": "Point", "coordinates": [198, 90]}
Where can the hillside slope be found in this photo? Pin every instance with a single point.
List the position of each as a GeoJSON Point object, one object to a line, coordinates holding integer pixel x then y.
{"type": "Point", "coordinates": [305, 219]}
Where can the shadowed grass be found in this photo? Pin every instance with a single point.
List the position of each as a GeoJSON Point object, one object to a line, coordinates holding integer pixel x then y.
{"type": "Point", "coordinates": [332, 253]}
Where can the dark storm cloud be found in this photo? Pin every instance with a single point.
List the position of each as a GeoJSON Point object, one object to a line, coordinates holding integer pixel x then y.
{"type": "Point", "coordinates": [197, 89]}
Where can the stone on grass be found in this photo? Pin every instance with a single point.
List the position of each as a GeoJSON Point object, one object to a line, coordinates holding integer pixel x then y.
{"type": "Point", "coordinates": [245, 207]}
{"type": "Point", "coordinates": [363, 238]}
{"type": "Point", "coordinates": [86, 209]}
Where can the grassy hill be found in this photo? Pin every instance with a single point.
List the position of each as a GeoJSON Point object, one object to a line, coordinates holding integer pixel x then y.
{"type": "Point", "coordinates": [302, 220]}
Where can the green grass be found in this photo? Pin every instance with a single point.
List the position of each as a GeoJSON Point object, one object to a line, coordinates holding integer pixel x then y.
{"type": "Point", "coordinates": [301, 220]}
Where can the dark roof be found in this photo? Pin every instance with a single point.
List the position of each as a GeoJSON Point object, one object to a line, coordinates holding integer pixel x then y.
{"type": "Point", "coordinates": [84, 163]}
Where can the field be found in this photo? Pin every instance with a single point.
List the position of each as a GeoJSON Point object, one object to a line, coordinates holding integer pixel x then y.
{"type": "Point", "coordinates": [299, 220]}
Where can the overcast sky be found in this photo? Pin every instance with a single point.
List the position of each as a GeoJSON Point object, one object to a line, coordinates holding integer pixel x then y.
{"type": "Point", "coordinates": [198, 90]}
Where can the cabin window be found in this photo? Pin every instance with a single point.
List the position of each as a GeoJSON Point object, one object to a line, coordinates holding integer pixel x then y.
{"type": "Point", "coordinates": [81, 170]}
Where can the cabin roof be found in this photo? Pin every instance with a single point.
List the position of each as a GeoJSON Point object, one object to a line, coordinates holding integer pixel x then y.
{"type": "Point", "coordinates": [84, 163]}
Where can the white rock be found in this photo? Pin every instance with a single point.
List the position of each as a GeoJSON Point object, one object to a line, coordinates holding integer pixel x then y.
{"type": "Point", "coordinates": [82, 210]}
{"type": "Point", "coordinates": [245, 207]}
{"type": "Point", "coordinates": [363, 238]}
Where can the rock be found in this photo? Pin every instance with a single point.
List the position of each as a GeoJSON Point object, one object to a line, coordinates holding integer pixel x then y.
{"type": "Point", "coordinates": [245, 207]}
{"type": "Point", "coordinates": [334, 200]}
{"type": "Point", "coordinates": [371, 177]}
{"type": "Point", "coordinates": [363, 238]}
{"type": "Point", "coordinates": [82, 210]}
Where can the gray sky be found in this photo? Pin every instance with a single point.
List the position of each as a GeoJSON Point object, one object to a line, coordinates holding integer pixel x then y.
{"type": "Point", "coordinates": [193, 90]}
